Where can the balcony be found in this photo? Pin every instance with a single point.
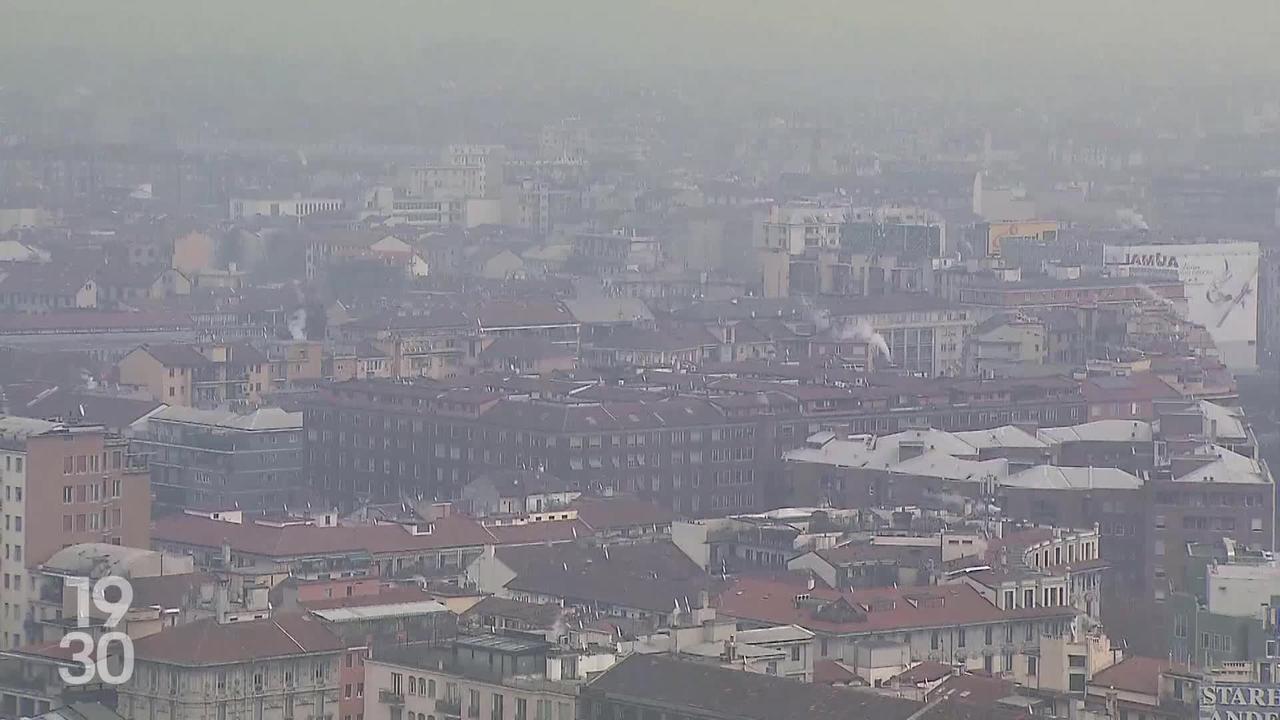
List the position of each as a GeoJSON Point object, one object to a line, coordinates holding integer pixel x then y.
{"type": "Point", "coordinates": [451, 707]}
{"type": "Point", "coordinates": [390, 697]}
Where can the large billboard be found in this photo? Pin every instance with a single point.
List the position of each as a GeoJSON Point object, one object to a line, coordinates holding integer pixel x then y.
{"type": "Point", "coordinates": [1221, 285]}
{"type": "Point", "coordinates": [1239, 701]}
{"type": "Point", "coordinates": [1038, 230]}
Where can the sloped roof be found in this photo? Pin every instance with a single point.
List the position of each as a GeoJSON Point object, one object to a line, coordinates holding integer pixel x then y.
{"type": "Point", "coordinates": [873, 610]}
{"type": "Point", "coordinates": [722, 692]}
{"type": "Point", "coordinates": [1051, 477]}
{"type": "Point", "coordinates": [271, 418]}
{"type": "Point", "coordinates": [308, 540]}
{"type": "Point", "coordinates": [1098, 431]}
{"type": "Point", "coordinates": [206, 642]}
{"type": "Point", "coordinates": [619, 511]}
{"type": "Point", "coordinates": [172, 355]}
{"type": "Point", "coordinates": [648, 576]}
{"type": "Point", "coordinates": [1229, 467]}
{"type": "Point", "coordinates": [1136, 674]}
{"type": "Point", "coordinates": [606, 310]}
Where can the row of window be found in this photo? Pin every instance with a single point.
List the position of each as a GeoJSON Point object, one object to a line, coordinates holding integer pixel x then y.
{"type": "Point", "coordinates": [101, 520]}
{"type": "Point", "coordinates": [81, 464]}
{"type": "Point", "coordinates": [91, 492]}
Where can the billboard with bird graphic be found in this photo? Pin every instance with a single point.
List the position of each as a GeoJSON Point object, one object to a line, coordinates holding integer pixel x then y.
{"type": "Point", "coordinates": [1221, 285]}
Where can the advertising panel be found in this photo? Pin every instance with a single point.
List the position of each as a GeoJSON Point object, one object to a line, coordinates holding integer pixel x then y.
{"type": "Point", "coordinates": [1239, 701]}
{"type": "Point", "coordinates": [1039, 230]}
{"type": "Point", "coordinates": [1221, 285]}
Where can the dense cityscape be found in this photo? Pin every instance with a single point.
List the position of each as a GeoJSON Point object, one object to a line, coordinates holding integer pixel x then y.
{"type": "Point", "coordinates": [489, 369]}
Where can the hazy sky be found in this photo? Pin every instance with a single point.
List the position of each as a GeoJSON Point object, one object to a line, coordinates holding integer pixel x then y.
{"type": "Point", "coordinates": [211, 57]}
{"type": "Point", "coordinates": [755, 32]}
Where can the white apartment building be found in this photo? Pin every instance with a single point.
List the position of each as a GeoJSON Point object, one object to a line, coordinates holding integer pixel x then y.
{"type": "Point", "coordinates": [293, 206]}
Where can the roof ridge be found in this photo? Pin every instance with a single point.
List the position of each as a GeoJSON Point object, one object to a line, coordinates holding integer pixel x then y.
{"type": "Point", "coordinates": [292, 639]}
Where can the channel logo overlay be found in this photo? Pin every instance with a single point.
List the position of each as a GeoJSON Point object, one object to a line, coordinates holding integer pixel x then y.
{"type": "Point", "coordinates": [111, 597]}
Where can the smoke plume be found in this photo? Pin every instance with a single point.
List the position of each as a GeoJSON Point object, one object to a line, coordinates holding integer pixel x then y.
{"type": "Point", "coordinates": [298, 324]}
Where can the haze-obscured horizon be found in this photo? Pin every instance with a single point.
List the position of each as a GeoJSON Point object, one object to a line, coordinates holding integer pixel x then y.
{"type": "Point", "coordinates": [235, 62]}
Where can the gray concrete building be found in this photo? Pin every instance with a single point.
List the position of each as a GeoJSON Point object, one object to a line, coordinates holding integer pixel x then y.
{"type": "Point", "coordinates": [223, 458]}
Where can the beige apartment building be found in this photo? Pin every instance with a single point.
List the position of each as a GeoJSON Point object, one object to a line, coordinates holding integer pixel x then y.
{"type": "Point", "coordinates": [280, 668]}
{"type": "Point", "coordinates": [62, 485]}
{"type": "Point", "coordinates": [198, 375]}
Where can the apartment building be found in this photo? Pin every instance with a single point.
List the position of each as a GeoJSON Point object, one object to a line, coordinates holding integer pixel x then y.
{"type": "Point", "coordinates": [281, 667]}
{"type": "Point", "coordinates": [494, 677]}
{"type": "Point", "coordinates": [696, 455]}
{"type": "Point", "coordinates": [315, 545]}
{"type": "Point", "coordinates": [63, 485]}
{"type": "Point", "coordinates": [250, 205]}
{"type": "Point", "coordinates": [197, 375]}
{"type": "Point", "coordinates": [434, 344]}
{"type": "Point", "coordinates": [882, 631]}
{"type": "Point", "coordinates": [220, 458]}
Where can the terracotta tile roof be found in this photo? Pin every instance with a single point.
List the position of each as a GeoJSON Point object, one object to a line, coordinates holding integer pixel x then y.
{"type": "Point", "coordinates": [308, 540]}
{"type": "Point", "coordinates": [925, 672]}
{"type": "Point", "coordinates": [709, 690]}
{"type": "Point", "coordinates": [619, 511]}
{"type": "Point", "coordinates": [205, 642]}
{"type": "Point", "coordinates": [92, 320]}
{"type": "Point", "coordinates": [1137, 674]}
{"type": "Point", "coordinates": [516, 313]}
{"type": "Point", "coordinates": [830, 672]}
{"type": "Point", "coordinates": [171, 355]}
{"type": "Point", "coordinates": [868, 611]}
{"type": "Point", "coordinates": [1137, 387]}
{"type": "Point", "coordinates": [540, 532]}
{"type": "Point", "coordinates": [973, 689]}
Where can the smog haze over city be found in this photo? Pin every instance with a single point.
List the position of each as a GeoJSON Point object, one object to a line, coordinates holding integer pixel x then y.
{"type": "Point", "coordinates": [658, 360]}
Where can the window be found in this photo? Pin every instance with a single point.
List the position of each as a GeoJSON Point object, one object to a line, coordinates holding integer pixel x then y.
{"type": "Point", "coordinates": [496, 712]}
{"type": "Point", "coordinates": [522, 709]}
{"type": "Point", "coordinates": [66, 494]}
{"type": "Point", "coordinates": [431, 688]}
{"type": "Point", "coordinates": [397, 683]}
{"type": "Point", "coordinates": [473, 703]}
{"type": "Point", "coordinates": [1033, 665]}
{"type": "Point", "coordinates": [934, 640]}
{"type": "Point", "coordinates": [795, 653]}
{"type": "Point", "coordinates": [960, 637]}
{"type": "Point", "coordinates": [986, 634]}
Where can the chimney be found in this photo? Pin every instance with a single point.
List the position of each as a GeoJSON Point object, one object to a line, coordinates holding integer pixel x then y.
{"type": "Point", "coordinates": [221, 600]}
{"type": "Point", "coordinates": [226, 553]}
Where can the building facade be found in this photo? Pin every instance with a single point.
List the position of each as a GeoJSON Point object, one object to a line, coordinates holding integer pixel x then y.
{"type": "Point", "coordinates": [63, 485]}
